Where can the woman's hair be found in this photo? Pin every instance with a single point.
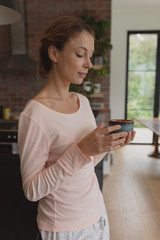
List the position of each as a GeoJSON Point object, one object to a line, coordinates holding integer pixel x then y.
{"type": "Point", "coordinates": [57, 34]}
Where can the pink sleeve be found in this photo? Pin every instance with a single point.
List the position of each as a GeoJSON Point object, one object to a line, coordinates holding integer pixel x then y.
{"type": "Point", "coordinates": [39, 181]}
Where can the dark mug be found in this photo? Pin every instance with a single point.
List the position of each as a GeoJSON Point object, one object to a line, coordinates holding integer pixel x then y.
{"type": "Point", "coordinates": [126, 125]}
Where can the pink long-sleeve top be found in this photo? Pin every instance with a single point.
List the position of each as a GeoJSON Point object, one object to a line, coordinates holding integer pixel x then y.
{"type": "Point", "coordinates": [55, 171]}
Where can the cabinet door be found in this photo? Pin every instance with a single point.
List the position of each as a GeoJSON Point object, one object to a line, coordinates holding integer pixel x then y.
{"type": "Point", "coordinates": [17, 214]}
{"type": "Point", "coordinates": [99, 173]}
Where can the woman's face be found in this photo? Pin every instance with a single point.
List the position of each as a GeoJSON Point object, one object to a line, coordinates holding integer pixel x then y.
{"type": "Point", "coordinates": [74, 61]}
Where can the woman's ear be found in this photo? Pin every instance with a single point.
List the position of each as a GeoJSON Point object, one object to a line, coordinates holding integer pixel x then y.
{"type": "Point", "coordinates": [53, 53]}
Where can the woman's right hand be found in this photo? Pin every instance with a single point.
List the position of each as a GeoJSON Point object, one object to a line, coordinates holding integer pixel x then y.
{"type": "Point", "coordinates": [100, 141]}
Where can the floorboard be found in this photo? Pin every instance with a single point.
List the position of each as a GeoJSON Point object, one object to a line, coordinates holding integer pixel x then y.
{"type": "Point", "coordinates": [132, 194]}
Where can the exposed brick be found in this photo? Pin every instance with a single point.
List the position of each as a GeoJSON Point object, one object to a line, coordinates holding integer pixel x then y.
{"type": "Point", "coordinates": [17, 87]}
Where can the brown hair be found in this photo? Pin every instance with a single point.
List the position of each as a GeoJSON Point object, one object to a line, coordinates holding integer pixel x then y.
{"type": "Point", "coordinates": [57, 34]}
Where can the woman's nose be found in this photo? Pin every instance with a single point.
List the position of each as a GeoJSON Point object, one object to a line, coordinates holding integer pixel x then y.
{"type": "Point", "coordinates": [88, 64]}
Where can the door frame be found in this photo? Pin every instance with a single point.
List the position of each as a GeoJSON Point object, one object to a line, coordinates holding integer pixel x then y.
{"type": "Point", "coordinates": [157, 76]}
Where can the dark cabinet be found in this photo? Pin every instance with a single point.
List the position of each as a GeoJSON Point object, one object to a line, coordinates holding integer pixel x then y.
{"type": "Point", "coordinates": [17, 215]}
{"type": "Point", "coordinates": [99, 173]}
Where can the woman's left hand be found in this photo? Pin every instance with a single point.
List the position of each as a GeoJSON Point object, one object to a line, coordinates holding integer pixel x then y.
{"type": "Point", "coordinates": [129, 138]}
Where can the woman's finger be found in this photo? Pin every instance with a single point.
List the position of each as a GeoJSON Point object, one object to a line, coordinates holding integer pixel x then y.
{"type": "Point", "coordinates": [109, 129]}
{"type": "Point", "coordinates": [133, 135]}
{"type": "Point", "coordinates": [114, 136]}
{"type": "Point", "coordinates": [113, 145]}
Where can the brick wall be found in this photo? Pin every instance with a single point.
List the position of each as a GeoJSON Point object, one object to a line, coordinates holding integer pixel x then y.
{"type": "Point", "coordinates": [16, 87]}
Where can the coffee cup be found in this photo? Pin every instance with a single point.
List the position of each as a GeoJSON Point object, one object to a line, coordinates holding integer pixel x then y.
{"type": "Point", "coordinates": [126, 125]}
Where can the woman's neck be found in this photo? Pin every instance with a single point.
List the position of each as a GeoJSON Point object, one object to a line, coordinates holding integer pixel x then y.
{"type": "Point", "coordinates": [56, 88]}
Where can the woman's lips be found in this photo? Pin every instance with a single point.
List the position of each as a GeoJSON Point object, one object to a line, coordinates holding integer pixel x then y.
{"type": "Point", "coordinates": [82, 75]}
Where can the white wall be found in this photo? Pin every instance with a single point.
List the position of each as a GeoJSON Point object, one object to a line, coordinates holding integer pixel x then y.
{"type": "Point", "coordinates": [126, 18]}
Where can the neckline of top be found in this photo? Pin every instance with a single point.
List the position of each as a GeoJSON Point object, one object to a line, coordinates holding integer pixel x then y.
{"type": "Point", "coordinates": [66, 114]}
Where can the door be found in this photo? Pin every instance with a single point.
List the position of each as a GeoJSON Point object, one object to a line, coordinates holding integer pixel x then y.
{"type": "Point", "coordinates": [142, 80]}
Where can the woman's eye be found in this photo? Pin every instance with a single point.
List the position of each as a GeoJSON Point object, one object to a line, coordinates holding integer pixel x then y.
{"type": "Point", "coordinates": [79, 55]}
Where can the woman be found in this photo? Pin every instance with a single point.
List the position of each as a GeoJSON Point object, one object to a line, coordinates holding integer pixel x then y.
{"type": "Point", "coordinates": [59, 141]}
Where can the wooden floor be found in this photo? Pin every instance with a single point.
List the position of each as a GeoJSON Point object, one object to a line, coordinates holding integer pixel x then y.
{"type": "Point", "coordinates": [132, 194]}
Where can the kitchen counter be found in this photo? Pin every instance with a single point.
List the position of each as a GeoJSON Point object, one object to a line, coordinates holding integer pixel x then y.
{"type": "Point", "coordinates": [9, 121]}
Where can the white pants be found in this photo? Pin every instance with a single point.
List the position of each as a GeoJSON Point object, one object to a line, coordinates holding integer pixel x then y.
{"type": "Point", "coordinates": [98, 231]}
